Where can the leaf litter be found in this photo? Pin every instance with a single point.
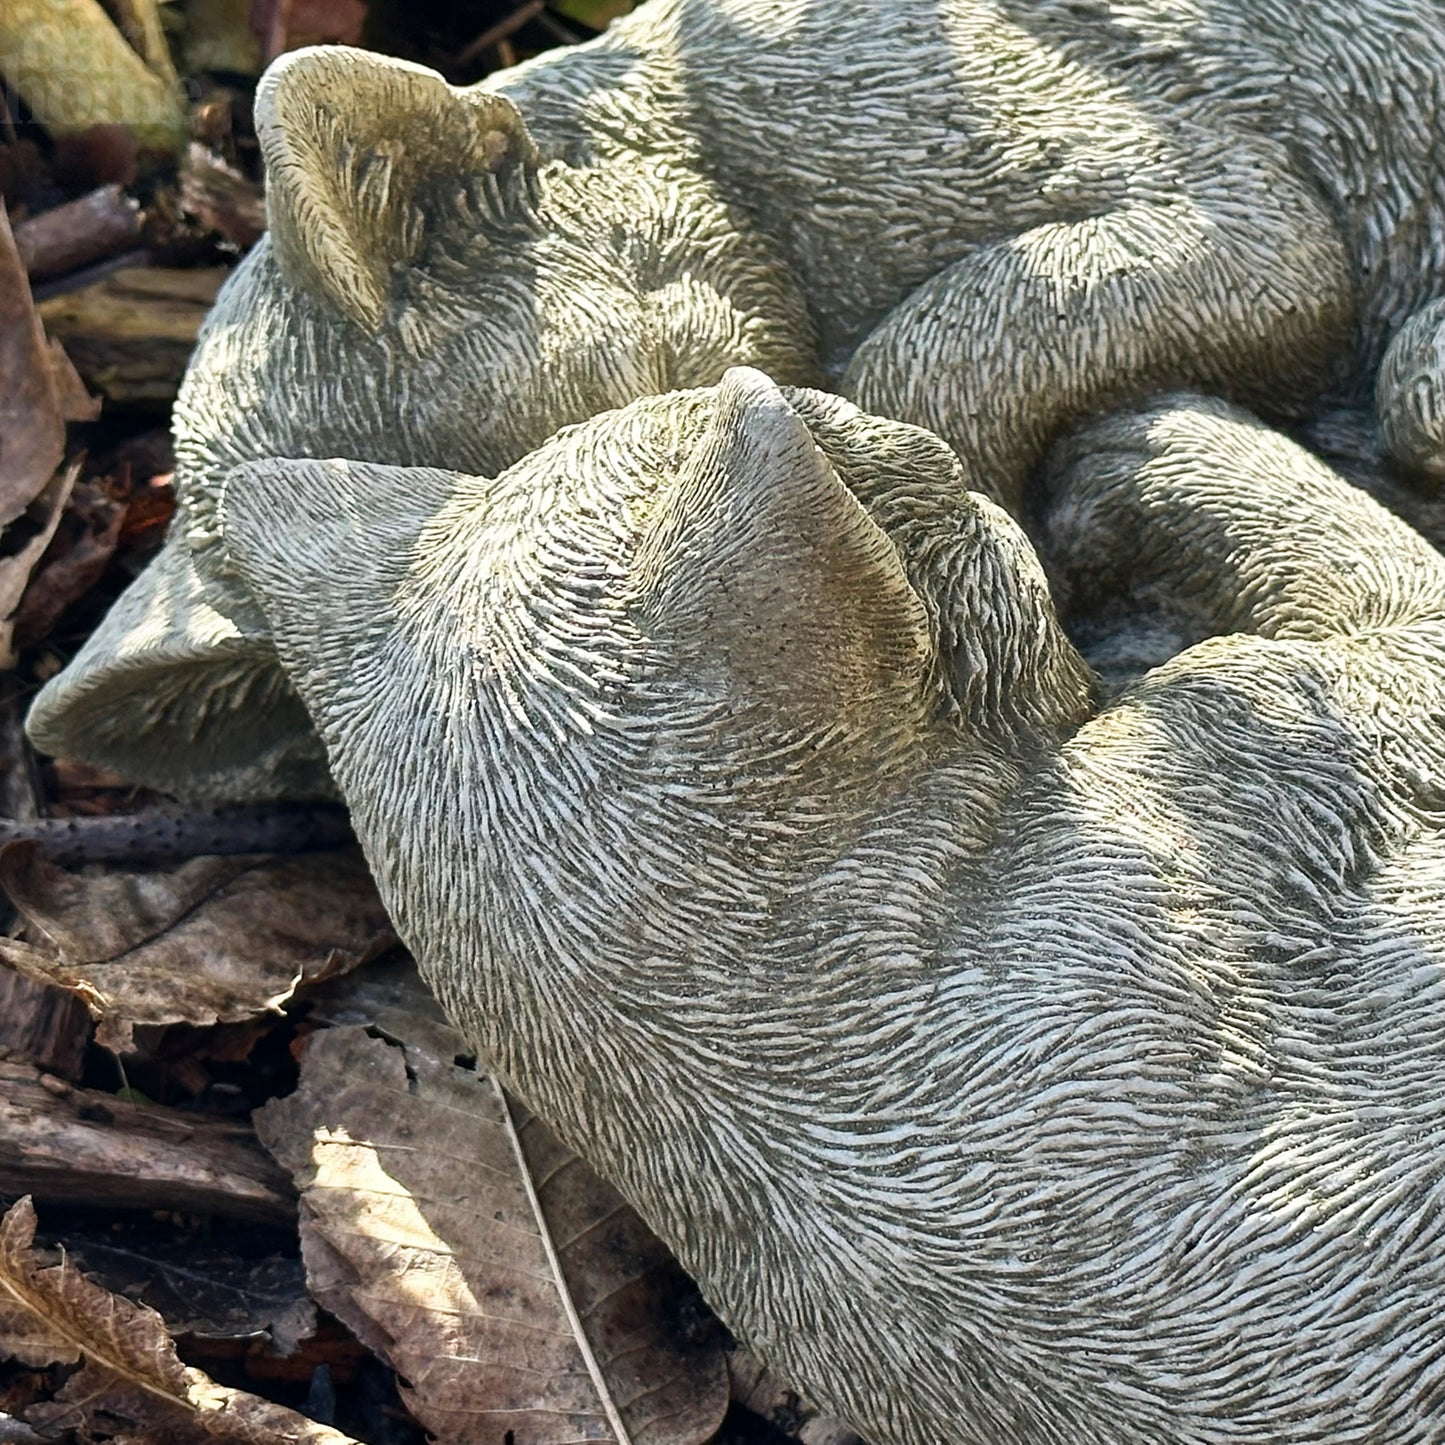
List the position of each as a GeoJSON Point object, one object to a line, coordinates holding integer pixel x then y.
{"type": "Point", "coordinates": [132, 1386]}
{"type": "Point", "coordinates": [241, 932]}
{"type": "Point", "coordinates": [506, 1284]}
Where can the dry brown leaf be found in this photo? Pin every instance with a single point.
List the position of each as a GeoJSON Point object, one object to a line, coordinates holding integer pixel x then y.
{"type": "Point", "coordinates": [37, 390]}
{"type": "Point", "coordinates": [389, 998]}
{"type": "Point", "coordinates": [24, 1337]}
{"type": "Point", "coordinates": [217, 940]}
{"type": "Point", "coordinates": [133, 1386]}
{"type": "Point", "coordinates": [74, 562]}
{"type": "Point", "coordinates": [201, 1290]}
{"type": "Point", "coordinates": [422, 1204]}
{"type": "Point", "coordinates": [40, 519]}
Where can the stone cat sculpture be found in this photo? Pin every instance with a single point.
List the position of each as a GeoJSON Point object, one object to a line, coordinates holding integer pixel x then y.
{"type": "Point", "coordinates": [1006, 1073]}
{"type": "Point", "coordinates": [987, 218]}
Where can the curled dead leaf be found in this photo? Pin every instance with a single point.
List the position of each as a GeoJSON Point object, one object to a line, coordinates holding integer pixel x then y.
{"type": "Point", "coordinates": [26, 539]}
{"type": "Point", "coordinates": [503, 1281]}
{"type": "Point", "coordinates": [38, 390]}
{"type": "Point", "coordinates": [216, 940]}
{"type": "Point", "coordinates": [77, 556]}
{"type": "Point", "coordinates": [204, 1291]}
{"type": "Point", "coordinates": [132, 1386]}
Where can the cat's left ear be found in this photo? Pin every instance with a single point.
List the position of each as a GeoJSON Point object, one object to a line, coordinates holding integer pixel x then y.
{"type": "Point", "coordinates": [367, 156]}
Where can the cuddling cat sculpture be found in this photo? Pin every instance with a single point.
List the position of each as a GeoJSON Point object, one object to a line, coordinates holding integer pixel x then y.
{"type": "Point", "coordinates": [987, 218]}
{"type": "Point", "coordinates": [1006, 1072]}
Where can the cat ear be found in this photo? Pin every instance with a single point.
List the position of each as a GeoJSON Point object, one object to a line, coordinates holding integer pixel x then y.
{"type": "Point", "coordinates": [366, 155]}
{"type": "Point", "coordinates": [760, 562]}
{"type": "Point", "coordinates": [170, 693]}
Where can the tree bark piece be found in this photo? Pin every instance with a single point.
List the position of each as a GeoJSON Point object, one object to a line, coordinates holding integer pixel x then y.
{"type": "Point", "coordinates": [42, 1025]}
{"type": "Point", "coordinates": [221, 198]}
{"type": "Point", "coordinates": [97, 226]}
{"type": "Point", "coordinates": [80, 1146]}
{"type": "Point", "coordinates": [131, 334]}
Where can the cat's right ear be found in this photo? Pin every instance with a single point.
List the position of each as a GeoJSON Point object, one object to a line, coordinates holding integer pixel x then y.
{"type": "Point", "coordinates": [762, 568]}
{"type": "Point", "coordinates": [368, 156]}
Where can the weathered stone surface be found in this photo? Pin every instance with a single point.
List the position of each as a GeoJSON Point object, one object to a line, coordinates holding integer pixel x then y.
{"type": "Point", "coordinates": [986, 218]}
{"type": "Point", "coordinates": [1007, 1071]}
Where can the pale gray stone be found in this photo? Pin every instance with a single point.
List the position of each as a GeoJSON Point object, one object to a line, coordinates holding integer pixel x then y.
{"type": "Point", "coordinates": [1409, 396]}
{"type": "Point", "coordinates": [987, 218]}
{"type": "Point", "coordinates": [1006, 1071]}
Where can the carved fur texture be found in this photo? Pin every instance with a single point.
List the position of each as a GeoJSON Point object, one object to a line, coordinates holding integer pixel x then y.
{"type": "Point", "coordinates": [1007, 1070]}
{"type": "Point", "coordinates": [989, 217]}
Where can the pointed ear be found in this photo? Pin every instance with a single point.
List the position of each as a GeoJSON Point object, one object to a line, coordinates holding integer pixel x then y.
{"type": "Point", "coordinates": [172, 694]}
{"type": "Point", "coordinates": [366, 154]}
{"type": "Point", "coordinates": [760, 561]}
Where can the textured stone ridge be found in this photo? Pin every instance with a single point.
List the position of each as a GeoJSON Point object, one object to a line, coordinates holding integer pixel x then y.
{"type": "Point", "coordinates": [991, 219]}
{"type": "Point", "coordinates": [1007, 1070]}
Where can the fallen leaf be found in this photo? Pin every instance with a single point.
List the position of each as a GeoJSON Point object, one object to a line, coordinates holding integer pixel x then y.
{"type": "Point", "coordinates": [332, 1349]}
{"type": "Point", "coordinates": [133, 1386]}
{"type": "Point", "coordinates": [148, 511]}
{"type": "Point", "coordinates": [213, 1294]}
{"type": "Point", "coordinates": [389, 998]}
{"type": "Point", "coordinates": [78, 554]}
{"type": "Point", "coordinates": [25, 540]}
{"type": "Point", "coordinates": [500, 1278]}
{"type": "Point", "coordinates": [38, 391]}
{"type": "Point", "coordinates": [216, 940]}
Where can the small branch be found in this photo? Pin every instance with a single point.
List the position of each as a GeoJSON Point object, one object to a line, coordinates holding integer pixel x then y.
{"type": "Point", "coordinates": [78, 234]}
{"type": "Point", "coordinates": [564, 33]}
{"type": "Point", "coordinates": [172, 835]}
{"type": "Point", "coordinates": [501, 30]}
